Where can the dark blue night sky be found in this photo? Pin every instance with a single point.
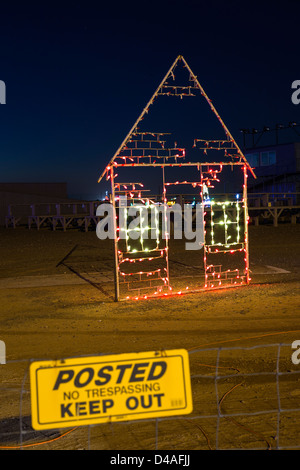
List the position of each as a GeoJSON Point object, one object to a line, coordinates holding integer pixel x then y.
{"type": "Point", "coordinates": [78, 74]}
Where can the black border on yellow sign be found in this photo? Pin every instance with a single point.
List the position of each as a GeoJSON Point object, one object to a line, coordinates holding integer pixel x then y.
{"type": "Point", "coordinates": [134, 415]}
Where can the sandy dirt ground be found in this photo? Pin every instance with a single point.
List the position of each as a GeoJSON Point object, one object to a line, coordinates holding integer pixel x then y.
{"type": "Point", "coordinates": [56, 301]}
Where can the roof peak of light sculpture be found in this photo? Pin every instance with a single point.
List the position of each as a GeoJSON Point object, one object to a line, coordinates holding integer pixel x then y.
{"type": "Point", "coordinates": [133, 152]}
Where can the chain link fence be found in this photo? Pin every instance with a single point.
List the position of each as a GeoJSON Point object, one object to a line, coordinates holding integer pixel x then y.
{"type": "Point", "coordinates": [243, 398]}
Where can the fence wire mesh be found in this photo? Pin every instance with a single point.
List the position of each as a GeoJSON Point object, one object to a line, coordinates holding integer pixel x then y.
{"type": "Point", "coordinates": [243, 398]}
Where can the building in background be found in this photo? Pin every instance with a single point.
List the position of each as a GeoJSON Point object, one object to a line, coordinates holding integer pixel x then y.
{"type": "Point", "coordinates": [277, 168]}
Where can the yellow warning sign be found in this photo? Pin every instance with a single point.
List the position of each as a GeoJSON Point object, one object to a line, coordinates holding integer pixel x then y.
{"type": "Point", "coordinates": [100, 389]}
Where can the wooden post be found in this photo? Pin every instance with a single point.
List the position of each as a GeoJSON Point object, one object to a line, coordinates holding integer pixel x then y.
{"type": "Point", "coordinates": [116, 262]}
{"type": "Point", "coordinates": [246, 240]}
{"type": "Point", "coordinates": [275, 217]}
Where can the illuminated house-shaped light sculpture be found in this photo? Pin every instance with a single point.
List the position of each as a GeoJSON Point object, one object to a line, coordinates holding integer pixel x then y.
{"type": "Point", "coordinates": [142, 262]}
